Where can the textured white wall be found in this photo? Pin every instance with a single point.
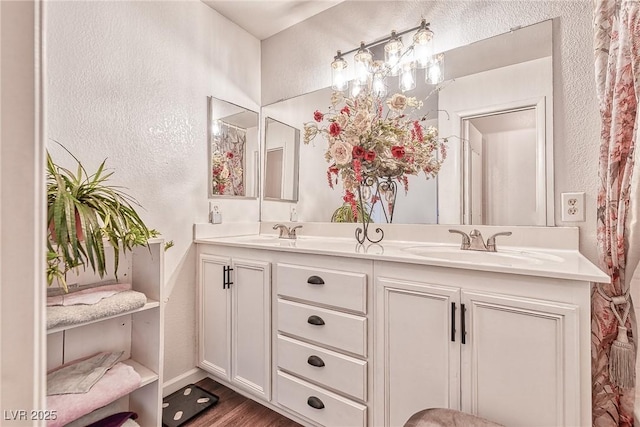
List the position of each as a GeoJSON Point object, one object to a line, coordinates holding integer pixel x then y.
{"type": "Point", "coordinates": [297, 61]}
{"type": "Point", "coordinates": [128, 80]}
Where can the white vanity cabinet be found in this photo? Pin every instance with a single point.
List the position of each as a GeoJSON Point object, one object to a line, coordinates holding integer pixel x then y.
{"type": "Point", "coordinates": [234, 305]}
{"type": "Point", "coordinates": [513, 349]}
{"type": "Point", "coordinates": [322, 333]}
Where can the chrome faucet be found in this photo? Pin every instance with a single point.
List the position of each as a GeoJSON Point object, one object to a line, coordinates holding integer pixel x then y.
{"type": "Point", "coordinates": [474, 241]}
{"type": "Point", "coordinates": [286, 232]}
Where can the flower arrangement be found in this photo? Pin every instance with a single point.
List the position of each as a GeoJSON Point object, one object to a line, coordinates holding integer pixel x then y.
{"type": "Point", "coordinates": [366, 145]}
{"type": "Point", "coordinates": [220, 174]}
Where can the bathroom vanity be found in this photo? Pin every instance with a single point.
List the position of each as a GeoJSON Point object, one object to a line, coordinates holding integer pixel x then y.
{"type": "Point", "coordinates": [333, 333]}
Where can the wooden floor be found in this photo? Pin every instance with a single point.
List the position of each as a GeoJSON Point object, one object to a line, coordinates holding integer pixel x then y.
{"type": "Point", "coordinates": [235, 410]}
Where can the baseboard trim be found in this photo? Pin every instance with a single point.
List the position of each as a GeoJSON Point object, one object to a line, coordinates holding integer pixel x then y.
{"type": "Point", "coordinates": [192, 376]}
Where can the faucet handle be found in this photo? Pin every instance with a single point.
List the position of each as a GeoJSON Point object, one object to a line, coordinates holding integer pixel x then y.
{"type": "Point", "coordinates": [491, 241]}
{"type": "Point", "coordinates": [466, 240]}
{"type": "Point", "coordinates": [283, 228]}
{"type": "Point", "coordinates": [292, 232]}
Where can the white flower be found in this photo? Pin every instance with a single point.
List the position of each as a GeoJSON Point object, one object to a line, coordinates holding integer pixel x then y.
{"type": "Point", "coordinates": [397, 102]}
{"type": "Point", "coordinates": [362, 121]}
{"type": "Point", "coordinates": [341, 152]}
{"type": "Point", "coordinates": [342, 120]}
{"type": "Point", "coordinates": [224, 173]}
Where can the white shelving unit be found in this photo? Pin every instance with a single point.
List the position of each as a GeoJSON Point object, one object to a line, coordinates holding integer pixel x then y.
{"type": "Point", "coordinates": [139, 333]}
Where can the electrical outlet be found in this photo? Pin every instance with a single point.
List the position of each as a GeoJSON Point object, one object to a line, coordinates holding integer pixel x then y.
{"type": "Point", "coordinates": [572, 207]}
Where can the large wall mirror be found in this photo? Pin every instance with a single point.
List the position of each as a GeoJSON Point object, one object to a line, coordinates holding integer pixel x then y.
{"type": "Point", "coordinates": [233, 150]}
{"type": "Point", "coordinates": [282, 151]}
{"type": "Point", "coordinates": [495, 108]}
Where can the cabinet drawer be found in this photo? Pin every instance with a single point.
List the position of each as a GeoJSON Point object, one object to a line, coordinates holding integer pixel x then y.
{"type": "Point", "coordinates": [340, 330]}
{"type": "Point", "coordinates": [331, 287]}
{"type": "Point", "coordinates": [321, 406]}
{"type": "Point", "coordinates": [337, 371]}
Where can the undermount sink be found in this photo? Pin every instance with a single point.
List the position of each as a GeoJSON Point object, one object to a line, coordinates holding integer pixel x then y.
{"type": "Point", "coordinates": [506, 257]}
{"type": "Point", "coordinates": [267, 240]}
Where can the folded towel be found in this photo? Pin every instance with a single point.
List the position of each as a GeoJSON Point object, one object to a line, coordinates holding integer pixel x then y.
{"type": "Point", "coordinates": [74, 314]}
{"type": "Point", "coordinates": [80, 376]}
{"type": "Point", "coordinates": [118, 381]}
{"type": "Point", "coordinates": [88, 296]}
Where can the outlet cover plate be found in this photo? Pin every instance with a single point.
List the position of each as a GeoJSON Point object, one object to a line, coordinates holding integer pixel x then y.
{"type": "Point", "coordinates": [573, 207]}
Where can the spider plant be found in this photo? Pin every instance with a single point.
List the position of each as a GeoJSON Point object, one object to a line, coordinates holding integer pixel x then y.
{"type": "Point", "coordinates": [83, 212]}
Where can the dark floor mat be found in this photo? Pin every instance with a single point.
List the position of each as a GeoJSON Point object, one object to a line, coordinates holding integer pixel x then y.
{"type": "Point", "coordinates": [185, 404]}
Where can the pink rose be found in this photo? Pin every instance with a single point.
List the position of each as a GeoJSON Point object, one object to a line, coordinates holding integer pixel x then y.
{"type": "Point", "coordinates": [397, 151]}
{"type": "Point", "coordinates": [318, 116]}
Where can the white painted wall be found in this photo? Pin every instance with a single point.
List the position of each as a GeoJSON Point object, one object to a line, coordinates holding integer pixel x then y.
{"type": "Point", "coordinates": [456, 23]}
{"type": "Point", "coordinates": [22, 215]}
{"type": "Point", "coordinates": [128, 81]}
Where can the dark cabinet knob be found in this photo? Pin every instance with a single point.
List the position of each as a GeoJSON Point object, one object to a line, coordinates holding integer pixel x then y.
{"type": "Point", "coordinates": [315, 361]}
{"type": "Point", "coordinates": [315, 280]}
{"type": "Point", "coordinates": [314, 402]}
{"type": "Point", "coordinates": [315, 320]}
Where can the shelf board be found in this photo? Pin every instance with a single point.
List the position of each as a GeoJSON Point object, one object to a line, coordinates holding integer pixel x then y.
{"type": "Point", "coordinates": [146, 374]}
{"type": "Point", "coordinates": [148, 306]}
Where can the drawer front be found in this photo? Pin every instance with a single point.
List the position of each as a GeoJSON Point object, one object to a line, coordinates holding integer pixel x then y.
{"type": "Point", "coordinates": [343, 331]}
{"type": "Point", "coordinates": [331, 287]}
{"type": "Point", "coordinates": [319, 405]}
{"type": "Point", "coordinates": [329, 368]}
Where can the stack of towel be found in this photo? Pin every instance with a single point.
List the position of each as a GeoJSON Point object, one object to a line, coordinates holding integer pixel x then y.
{"type": "Point", "coordinates": [77, 388]}
{"type": "Point", "coordinates": [92, 303]}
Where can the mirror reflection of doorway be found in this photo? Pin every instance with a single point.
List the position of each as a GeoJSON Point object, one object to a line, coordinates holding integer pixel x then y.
{"type": "Point", "coordinates": [499, 174]}
{"type": "Point", "coordinates": [273, 181]}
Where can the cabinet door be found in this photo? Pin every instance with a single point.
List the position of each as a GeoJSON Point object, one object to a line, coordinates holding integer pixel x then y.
{"type": "Point", "coordinates": [251, 323]}
{"type": "Point", "coordinates": [214, 351]}
{"type": "Point", "coordinates": [519, 361]}
{"type": "Point", "coordinates": [417, 358]}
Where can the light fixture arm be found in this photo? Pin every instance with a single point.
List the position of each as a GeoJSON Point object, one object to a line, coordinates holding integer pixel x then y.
{"type": "Point", "coordinates": [423, 24]}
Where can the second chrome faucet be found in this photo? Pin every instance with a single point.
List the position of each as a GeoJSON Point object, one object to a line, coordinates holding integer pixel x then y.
{"type": "Point", "coordinates": [474, 241]}
{"type": "Point", "coordinates": [286, 232]}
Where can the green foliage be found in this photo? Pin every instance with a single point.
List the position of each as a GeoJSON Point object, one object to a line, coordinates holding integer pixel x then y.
{"type": "Point", "coordinates": [345, 214]}
{"type": "Point", "coordinates": [82, 212]}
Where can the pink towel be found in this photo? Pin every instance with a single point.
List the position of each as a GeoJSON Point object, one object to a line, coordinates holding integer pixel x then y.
{"type": "Point", "coordinates": [88, 296]}
{"type": "Point", "coordinates": [118, 381]}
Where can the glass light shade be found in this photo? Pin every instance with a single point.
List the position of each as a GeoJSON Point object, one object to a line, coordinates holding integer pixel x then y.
{"type": "Point", "coordinates": [216, 128]}
{"type": "Point", "coordinates": [393, 53]}
{"type": "Point", "coordinates": [379, 81]}
{"type": "Point", "coordinates": [339, 79]}
{"type": "Point", "coordinates": [356, 87]}
{"type": "Point", "coordinates": [435, 70]}
{"type": "Point", "coordinates": [362, 62]}
{"type": "Point", "coordinates": [407, 80]}
{"type": "Point", "coordinates": [423, 47]}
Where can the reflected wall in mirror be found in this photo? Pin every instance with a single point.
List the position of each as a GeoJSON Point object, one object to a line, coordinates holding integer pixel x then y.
{"type": "Point", "coordinates": [233, 150]}
{"type": "Point", "coordinates": [282, 151]}
{"type": "Point", "coordinates": [512, 71]}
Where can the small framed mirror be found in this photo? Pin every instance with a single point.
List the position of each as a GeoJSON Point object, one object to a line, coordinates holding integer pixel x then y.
{"type": "Point", "coordinates": [282, 150]}
{"type": "Point", "coordinates": [233, 150]}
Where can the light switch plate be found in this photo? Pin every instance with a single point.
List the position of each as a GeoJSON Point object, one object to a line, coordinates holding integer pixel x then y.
{"type": "Point", "coordinates": [573, 207]}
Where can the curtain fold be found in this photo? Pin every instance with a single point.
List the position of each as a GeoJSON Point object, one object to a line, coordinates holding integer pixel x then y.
{"type": "Point", "coordinates": [617, 66]}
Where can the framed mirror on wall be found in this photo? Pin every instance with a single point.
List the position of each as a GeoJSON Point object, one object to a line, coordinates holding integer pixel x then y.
{"type": "Point", "coordinates": [511, 72]}
{"type": "Point", "coordinates": [234, 141]}
{"type": "Point", "coordinates": [282, 151]}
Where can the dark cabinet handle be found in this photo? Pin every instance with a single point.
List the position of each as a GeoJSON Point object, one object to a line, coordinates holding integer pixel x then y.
{"type": "Point", "coordinates": [315, 320]}
{"type": "Point", "coordinates": [453, 322]}
{"type": "Point", "coordinates": [315, 280]}
{"type": "Point", "coordinates": [315, 361]}
{"type": "Point", "coordinates": [463, 326]}
{"type": "Point", "coordinates": [314, 402]}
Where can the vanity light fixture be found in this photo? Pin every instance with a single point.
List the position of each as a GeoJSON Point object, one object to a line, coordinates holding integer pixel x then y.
{"type": "Point", "coordinates": [398, 61]}
{"type": "Point", "coordinates": [339, 79]}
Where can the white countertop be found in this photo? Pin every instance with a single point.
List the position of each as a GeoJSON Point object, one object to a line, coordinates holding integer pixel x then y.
{"type": "Point", "coordinates": [529, 261]}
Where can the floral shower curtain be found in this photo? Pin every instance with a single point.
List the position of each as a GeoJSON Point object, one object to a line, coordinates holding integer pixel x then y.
{"type": "Point", "coordinates": [617, 63]}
